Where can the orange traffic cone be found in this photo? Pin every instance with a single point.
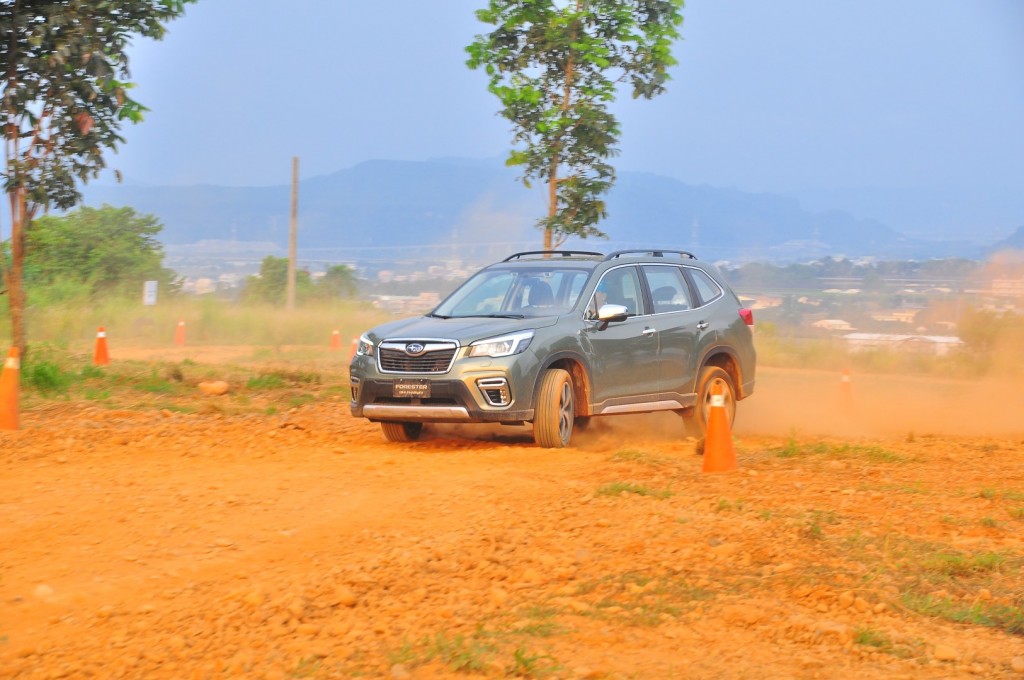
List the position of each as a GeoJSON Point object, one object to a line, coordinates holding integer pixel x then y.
{"type": "Point", "coordinates": [352, 352]}
{"type": "Point", "coordinates": [179, 334]}
{"type": "Point", "coordinates": [101, 357]}
{"type": "Point", "coordinates": [335, 341]}
{"type": "Point", "coordinates": [719, 454]}
{"type": "Point", "coordinates": [9, 391]}
{"type": "Point", "coordinates": [846, 393]}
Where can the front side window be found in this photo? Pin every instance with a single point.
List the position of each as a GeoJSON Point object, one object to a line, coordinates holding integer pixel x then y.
{"type": "Point", "coordinates": [620, 286]}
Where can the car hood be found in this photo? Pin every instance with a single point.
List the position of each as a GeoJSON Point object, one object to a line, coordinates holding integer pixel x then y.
{"type": "Point", "coordinates": [465, 330]}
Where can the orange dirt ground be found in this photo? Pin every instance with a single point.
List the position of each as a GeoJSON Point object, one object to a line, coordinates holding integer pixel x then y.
{"type": "Point", "coordinates": [147, 544]}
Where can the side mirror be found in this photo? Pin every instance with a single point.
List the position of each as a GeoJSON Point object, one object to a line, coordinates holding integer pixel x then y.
{"type": "Point", "coordinates": [611, 313]}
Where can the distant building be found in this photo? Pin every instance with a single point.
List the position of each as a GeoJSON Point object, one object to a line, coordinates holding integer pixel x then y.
{"type": "Point", "coordinates": [1008, 288]}
{"type": "Point", "coordinates": [833, 325]}
{"type": "Point", "coordinates": [899, 315]}
{"type": "Point", "coordinates": [939, 345]}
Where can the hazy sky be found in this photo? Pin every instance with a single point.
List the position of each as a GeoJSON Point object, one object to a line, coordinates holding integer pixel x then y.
{"type": "Point", "coordinates": [787, 95]}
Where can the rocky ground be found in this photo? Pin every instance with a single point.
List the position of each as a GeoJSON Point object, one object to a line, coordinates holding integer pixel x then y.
{"type": "Point", "coordinates": [157, 544]}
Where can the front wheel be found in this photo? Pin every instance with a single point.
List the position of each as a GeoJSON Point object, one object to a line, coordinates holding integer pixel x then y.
{"type": "Point", "coordinates": [401, 432]}
{"type": "Point", "coordinates": [556, 410]}
{"type": "Point", "coordinates": [696, 419]}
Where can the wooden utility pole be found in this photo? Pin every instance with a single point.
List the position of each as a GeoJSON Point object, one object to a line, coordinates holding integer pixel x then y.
{"type": "Point", "coordinates": [292, 234]}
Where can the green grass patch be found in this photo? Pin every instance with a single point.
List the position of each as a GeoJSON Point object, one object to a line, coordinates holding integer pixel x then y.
{"type": "Point", "coordinates": [458, 652]}
{"type": "Point", "coordinates": [637, 599]}
{"type": "Point", "coordinates": [1009, 618]}
{"type": "Point", "coordinates": [635, 456]}
{"type": "Point", "coordinates": [620, 488]}
{"type": "Point", "coordinates": [959, 564]}
{"type": "Point", "coordinates": [871, 638]}
{"type": "Point", "coordinates": [1001, 494]}
{"type": "Point", "coordinates": [527, 665]}
{"type": "Point", "coordinates": [873, 454]}
{"type": "Point", "coordinates": [270, 381]}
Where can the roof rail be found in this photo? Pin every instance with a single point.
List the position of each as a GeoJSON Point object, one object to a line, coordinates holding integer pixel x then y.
{"type": "Point", "coordinates": [561, 253]}
{"type": "Point", "coordinates": [653, 252]}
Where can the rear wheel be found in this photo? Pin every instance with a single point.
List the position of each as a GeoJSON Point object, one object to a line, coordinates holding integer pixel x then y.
{"type": "Point", "coordinates": [696, 419]}
{"type": "Point", "coordinates": [401, 432]}
{"type": "Point", "coordinates": [556, 410]}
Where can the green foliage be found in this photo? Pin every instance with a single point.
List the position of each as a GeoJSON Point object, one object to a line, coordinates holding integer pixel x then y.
{"type": "Point", "coordinates": [555, 68]}
{"type": "Point", "coordinates": [46, 377]}
{"type": "Point", "coordinates": [109, 250]}
{"type": "Point", "coordinates": [64, 99]}
{"type": "Point", "coordinates": [271, 284]}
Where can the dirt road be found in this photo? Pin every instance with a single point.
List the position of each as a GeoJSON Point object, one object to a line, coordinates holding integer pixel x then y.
{"type": "Point", "coordinates": [147, 544]}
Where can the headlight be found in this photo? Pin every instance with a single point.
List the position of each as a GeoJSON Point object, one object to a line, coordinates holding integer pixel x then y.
{"type": "Point", "coordinates": [365, 346]}
{"type": "Point", "coordinates": [504, 346]}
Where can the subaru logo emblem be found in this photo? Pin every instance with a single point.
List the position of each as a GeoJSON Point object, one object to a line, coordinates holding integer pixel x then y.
{"type": "Point", "coordinates": [414, 349]}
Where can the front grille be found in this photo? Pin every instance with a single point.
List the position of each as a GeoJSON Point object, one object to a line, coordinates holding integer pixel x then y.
{"type": "Point", "coordinates": [437, 357]}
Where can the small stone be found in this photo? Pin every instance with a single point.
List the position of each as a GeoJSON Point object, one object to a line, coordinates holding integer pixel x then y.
{"type": "Point", "coordinates": [880, 607]}
{"type": "Point", "coordinates": [1017, 664]}
{"type": "Point", "coordinates": [309, 629]}
{"type": "Point", "coordinates": [531, 575]}
{"type": "Point", "coordinates": [499, 596]}
{"type": "Point", "coordinates": [945, 653]}
{"type": "Point", "coordinates": [985, 594]}
{"type": "Point", "coordinates": [861, 605]}
{"type": "Point", "coordinates": [43, 591]}
{"type": "Point", "coordinates": [345, 597]}
{"type": "Point", "coordinates": [743, 615]}
{"type": "Point", "coordinates": [400, 672]}
{"type": "Point", "coordinates": [725, 549]}
{"type": "Point", "coordinates": [846, 599]}
{"type": "Point", "coordinates": [214, 388]}
{"type": "Point", "coordinates": [254, 599]}
{"type": "Point", "coordinates": [603, 523]}
{"type": "Point", "coordinates": [782, 568]}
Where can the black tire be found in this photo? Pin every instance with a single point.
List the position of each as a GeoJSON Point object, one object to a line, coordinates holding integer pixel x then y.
{"type": "Point", "coordinates": [555, 413]}
{"type": "Point", "coordinates": [401, 432]}
{"type": "Point", "coordinates": [696, 419]}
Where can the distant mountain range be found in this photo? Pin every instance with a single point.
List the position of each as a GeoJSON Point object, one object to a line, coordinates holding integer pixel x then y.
{"type": "Point", "coordinates": [1014, 241]}
{"type": "Point", "coordinates": [381, 205]}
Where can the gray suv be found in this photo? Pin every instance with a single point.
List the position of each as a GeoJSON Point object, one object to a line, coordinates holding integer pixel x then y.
{"type": "Point", "coordinates": [555, 338]}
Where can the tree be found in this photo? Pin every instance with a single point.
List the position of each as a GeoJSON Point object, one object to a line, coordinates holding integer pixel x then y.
{"type": "Point", "coordinates": [338, 281]}
{"type": "Point", "coordinates": [111, 250]}
{"type": "Point", "coordinates": [270, 285]}
{"type": "Point", "coordinates": [64, 98]}
{"type": "Point", "coordinates": [555, 70]}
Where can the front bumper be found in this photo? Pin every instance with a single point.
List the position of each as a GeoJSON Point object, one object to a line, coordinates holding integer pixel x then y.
{"type": "Point", "coordinates": [449, 401]}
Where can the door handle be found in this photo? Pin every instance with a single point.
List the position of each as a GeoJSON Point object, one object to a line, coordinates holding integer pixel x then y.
{"type": "Point", "coordinates": [702, 325]}
{"type": "Point", "coordinates": [648, 331]}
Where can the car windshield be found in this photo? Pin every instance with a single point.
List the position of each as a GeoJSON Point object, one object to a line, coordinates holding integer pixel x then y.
{"type": "Point", "coordinates": [516, 293]}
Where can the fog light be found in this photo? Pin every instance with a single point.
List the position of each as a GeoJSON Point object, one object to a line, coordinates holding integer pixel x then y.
{"type": "Point", "coordinates": [495, 391]}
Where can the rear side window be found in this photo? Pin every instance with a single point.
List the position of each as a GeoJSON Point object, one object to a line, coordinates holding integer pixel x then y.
{"type": "Point", "coordinates": [707, 289]}
{"type": "Point", "coordinates": [669, 291]}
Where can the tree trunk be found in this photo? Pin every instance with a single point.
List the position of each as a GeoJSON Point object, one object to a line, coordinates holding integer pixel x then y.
{"type": "Point", "coordinates": [16, 272]}
{"type": "Point", "coordinates": [552, 200]}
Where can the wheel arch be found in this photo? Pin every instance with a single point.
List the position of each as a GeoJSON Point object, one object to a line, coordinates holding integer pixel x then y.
{"type": "Point", "coordinates": [579, 370]}
{"type": "Point", "coordinates": [725, 358]}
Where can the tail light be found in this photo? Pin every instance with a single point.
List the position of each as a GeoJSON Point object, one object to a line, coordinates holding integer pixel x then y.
{"type": "Point", "coordinates": [747, 315]}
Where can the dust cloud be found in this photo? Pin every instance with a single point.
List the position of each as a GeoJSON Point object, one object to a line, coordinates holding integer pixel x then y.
{"type": "Point", "coordinates": [804, 402]}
